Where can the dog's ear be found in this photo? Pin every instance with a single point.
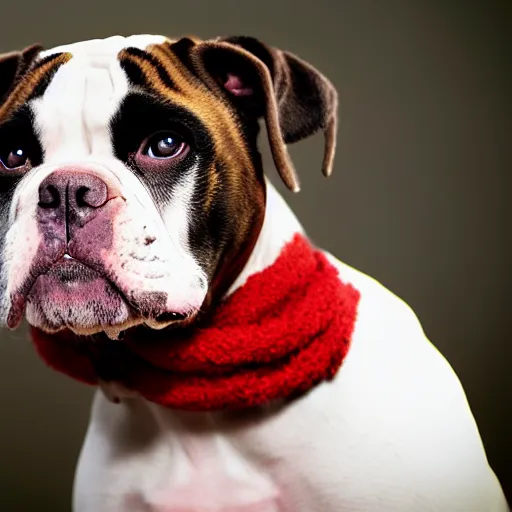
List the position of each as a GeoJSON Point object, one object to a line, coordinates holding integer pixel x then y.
{"type": "Point", "coordinates": [13, 65]}
{"type": "Point", "coordinates": [294, 98]}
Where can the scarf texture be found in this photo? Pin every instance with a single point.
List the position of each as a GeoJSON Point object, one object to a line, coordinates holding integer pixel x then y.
{"type": "Point", "coordinates": [282, 333]}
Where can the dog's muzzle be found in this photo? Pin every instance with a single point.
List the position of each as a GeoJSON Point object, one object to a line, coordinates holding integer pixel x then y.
{"type": "Point", "coordinates": [99, 262]}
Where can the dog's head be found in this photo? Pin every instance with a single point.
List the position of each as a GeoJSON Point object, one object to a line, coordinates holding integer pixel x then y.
{"type": "Point", "coordinates": [131, 186]}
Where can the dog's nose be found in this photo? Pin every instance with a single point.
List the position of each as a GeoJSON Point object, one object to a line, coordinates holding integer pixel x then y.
{"type": "Point", "coordinates": [79, 191]}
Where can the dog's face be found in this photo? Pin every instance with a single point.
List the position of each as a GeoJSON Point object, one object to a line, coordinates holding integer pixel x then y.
{"type": "Point", "coordinates": [131, 187]}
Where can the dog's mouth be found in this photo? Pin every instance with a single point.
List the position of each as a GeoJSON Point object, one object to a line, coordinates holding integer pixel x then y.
{"type": "Point", "coordinates": [68, 270]}
{"type": "Point", "coordinates": [72, 295]}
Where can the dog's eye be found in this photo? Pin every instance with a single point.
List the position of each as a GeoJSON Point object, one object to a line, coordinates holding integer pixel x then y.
{"type": "Point", "coordinates": [165, 146]}
{"type": "Point", "coordinates": [161, 152]}
{"type": "Point", "coordinates": [15, 158]}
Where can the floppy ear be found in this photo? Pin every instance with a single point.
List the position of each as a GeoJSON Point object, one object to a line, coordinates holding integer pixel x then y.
{"type": "Point", "coordinates": [13, 65]}
{"type": "Point", "coordinates": [294, 98]}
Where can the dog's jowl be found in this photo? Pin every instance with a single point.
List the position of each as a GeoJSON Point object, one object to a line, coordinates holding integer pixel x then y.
{"type": "Point", "coordinates": [239, 368]}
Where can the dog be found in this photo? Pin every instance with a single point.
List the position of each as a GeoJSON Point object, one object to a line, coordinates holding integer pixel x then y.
{"type": "Point", "coordinates": [239, 367]}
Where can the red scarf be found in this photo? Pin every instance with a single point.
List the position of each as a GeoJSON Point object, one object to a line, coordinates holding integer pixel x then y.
{"type": "Point", "coordinates": [286, 330]}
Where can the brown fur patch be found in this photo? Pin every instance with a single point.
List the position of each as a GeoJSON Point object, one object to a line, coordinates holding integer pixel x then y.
{"type": "Point", "coordinates": [229, 144]}
{"type": "Point", "coordinates": [213, 183]}
{"type": "Point", "coordinates": [30, 82]}
{"type": "Point", "coordinates": [245, 185]}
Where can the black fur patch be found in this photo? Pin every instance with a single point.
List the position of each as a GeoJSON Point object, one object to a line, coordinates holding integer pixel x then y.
{"type": "Point", "coordinates": [18, 128]}
{"type": "Point", "coordinates": [139, 116]}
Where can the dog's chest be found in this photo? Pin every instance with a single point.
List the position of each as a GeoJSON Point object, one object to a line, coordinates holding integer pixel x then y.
{"type": "Point", "coordinates": [143, 459]}
{"type": "Point", "coordinates": [207, 473]}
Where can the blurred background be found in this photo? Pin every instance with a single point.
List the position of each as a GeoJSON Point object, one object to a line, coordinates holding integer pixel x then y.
{"type": "Point", "coordinates": [420, 197]}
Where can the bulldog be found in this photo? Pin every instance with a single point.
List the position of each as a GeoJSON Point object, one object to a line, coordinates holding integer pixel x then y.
{"type": "Point", "coordinates": [240, 368]}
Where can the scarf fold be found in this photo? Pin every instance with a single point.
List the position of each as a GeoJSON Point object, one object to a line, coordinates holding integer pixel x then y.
{"type": "Point", "coordinates": [285, 331]}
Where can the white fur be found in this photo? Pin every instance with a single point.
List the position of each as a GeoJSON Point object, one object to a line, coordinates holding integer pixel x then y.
{"type": "Point", "coordinates": [393, 432]}
{"type": "Point", "coordinates": [178, 216]}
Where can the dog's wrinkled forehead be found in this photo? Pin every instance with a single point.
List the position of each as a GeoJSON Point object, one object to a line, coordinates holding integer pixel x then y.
{"type": "Point", "coordinates": [90, 72]}
{"type": "Point", "coordinates": [82, 94]}
{"type": "Point", "coordinates": [68, 71]}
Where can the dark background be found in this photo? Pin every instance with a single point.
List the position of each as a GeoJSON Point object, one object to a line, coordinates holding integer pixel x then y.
{"type": "Point", "coordinates": [420, 197]}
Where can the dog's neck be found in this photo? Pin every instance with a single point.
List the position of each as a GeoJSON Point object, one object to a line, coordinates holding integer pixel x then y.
{"type": "Point", "coordinates": [279, 226]}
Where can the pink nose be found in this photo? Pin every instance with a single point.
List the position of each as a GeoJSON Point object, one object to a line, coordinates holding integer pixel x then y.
{"type": "Point", "coordinates": [78, 191]}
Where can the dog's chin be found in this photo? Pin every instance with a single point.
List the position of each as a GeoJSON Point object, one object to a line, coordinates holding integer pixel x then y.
{"type": "Point", "coordinates": [75, 297]}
